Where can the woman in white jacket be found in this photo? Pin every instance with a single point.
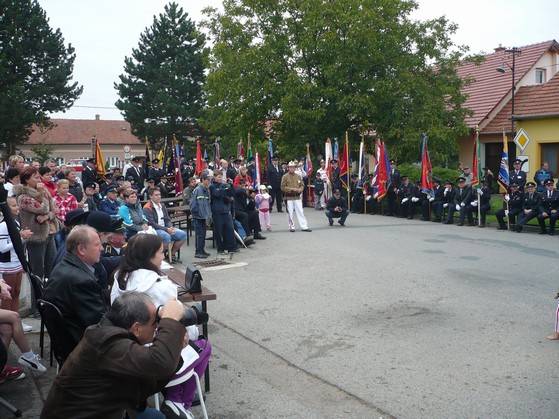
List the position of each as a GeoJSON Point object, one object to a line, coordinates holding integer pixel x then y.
{"type": "Point", "coordinates": [139, 270]}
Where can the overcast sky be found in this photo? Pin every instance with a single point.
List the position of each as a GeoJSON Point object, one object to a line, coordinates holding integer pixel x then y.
{"type": "Point", "coordinates": [103, 32]}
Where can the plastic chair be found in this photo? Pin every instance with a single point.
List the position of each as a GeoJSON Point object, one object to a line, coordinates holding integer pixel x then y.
{"type": "Point", "coordinates": [181, 380]}
{"type": "Point", "coordinates": [61, 342]}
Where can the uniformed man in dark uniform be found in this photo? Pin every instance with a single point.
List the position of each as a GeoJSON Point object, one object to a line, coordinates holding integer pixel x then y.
{"type": "Point", "coordinates": [274, 173]}
{"type": "Point", "coordinates": [462, 197]}
{"type": "Point", "coordinates": [136, 174]}
{"type": "Point", "coordinates": [335, 180]}
{"type": "Point", "coordinates": [514, 207]}
{"type": "Point", "coordinates": [109, 204]}
{"type": "Point", "coordinates": [448, 193]}
{"type": "Point", "coordinates": [548, 207]}
{"type": "Point", "coordinates": [530, 206]}
{"type": "Point", "coordinates": [404, 195]}
{"type": "Point", "coordinates": [417, 198]}
{"type": "Point", "coordinates": [395, 183]}
{"type": "Point", "coordinates": [517, 175]}
{"type": "Point", "coordinates": [356, 195]}
{"type": "Point", "coordinates": [436, 202]}
{"type": "Point", "coordinates": [89, 175]}
{"type": "Point", "coordinates": [483, 195]}
{"type": "Point", "coordinates": [233, 170]}
{"type": "Point", "coordinates": [155, 172]}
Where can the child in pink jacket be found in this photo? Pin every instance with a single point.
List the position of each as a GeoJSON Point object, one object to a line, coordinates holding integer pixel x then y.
{"type": "Point", "coordinates": [263, 199]}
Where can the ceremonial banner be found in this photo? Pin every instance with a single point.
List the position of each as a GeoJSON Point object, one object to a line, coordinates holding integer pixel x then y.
{"type": "Point", "coordinates": [345, 165]}
{"type": "Point", "coordinates": [503, 178]}
{"type": "Point", "coordinates": [426, 170]}
{"type": "Point", "coordinates": [198, 169]}
{"type": "Point", "coordinates": [147, 163]}
{"type": "Point", "coordinates": [99, 162]}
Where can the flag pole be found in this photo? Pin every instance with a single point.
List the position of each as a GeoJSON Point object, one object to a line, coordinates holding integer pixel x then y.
{"type": "Point", "coordinates": [347, 169]}
{"type": "Point", "coordinates": [479, 182]}
{"type": "Point", "coordinates": [364, 190]}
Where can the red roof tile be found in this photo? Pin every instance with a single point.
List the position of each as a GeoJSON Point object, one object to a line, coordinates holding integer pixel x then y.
{"type": "Point", "coordinates": [80, 131]}
{"type": "Point", "coordinates": [529, 101]}
{"type": "Point", "coordinates": [489, 86]}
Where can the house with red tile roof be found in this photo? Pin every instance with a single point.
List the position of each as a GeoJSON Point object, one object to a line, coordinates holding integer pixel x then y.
{"type": "Point", "coordinates": [71, 139]}
{"type": "Point", "coordinates": [535, 101]}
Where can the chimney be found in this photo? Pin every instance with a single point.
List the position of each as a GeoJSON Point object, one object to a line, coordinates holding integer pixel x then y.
{"type": "Point", "coordinates": [500, 48]}
{"type": "Point", "coordinates": [97, 117]}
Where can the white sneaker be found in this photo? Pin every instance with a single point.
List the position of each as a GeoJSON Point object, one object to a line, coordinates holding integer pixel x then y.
{"type": "Point", "coordinates": [34, 363]}
{"type": "Point", "coordinates": [26, 327]}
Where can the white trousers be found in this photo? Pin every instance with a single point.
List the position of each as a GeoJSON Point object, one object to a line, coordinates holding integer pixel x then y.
{"type": "Point", "coordinates": [296, 205]}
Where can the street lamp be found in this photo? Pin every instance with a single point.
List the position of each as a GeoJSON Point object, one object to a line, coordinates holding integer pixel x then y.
{"type": "Point", "coordinates": [501, 69]}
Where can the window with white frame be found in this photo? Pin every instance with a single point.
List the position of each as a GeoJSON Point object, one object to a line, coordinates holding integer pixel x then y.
{"type": "Point", "coordinates": [540, 75]}
{"type": "Point", "coordinates": [113, 161]}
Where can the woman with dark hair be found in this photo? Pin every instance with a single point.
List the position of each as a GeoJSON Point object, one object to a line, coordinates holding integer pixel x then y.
{"type": "Point", "coordinates": [46, 179]}
{"type": "Point", "coordinates": [12, 179]}
{"type": "Point", "coordinates": [38, 213]}
{"type": "Point", "coordinates": [140, 270]}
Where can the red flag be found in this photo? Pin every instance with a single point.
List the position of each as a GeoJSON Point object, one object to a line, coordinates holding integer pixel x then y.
{"type": "Point", "coordinates": [381, 170]}
{"type": "Point", "coordinates": [199, 162]}
{"type": "Point", "coordinates": [344, 166]}
{"type": "Point", "coordinates": [426, 170]}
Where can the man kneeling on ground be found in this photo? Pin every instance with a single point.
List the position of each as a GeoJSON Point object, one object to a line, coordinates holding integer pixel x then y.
{"type": "Point", "coordinates": [337, 208]}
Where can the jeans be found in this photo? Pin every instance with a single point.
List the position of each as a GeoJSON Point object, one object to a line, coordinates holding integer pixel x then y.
{"type": "Point", "coordinates": [168, 238]}
{"type": "Point", "coordinates": [341, 215]}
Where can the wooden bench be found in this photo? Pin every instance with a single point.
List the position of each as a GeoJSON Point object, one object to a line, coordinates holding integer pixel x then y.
{"type": "Point", "coordinates": [203, 297]}
{"type": "Point", "coordinates": [180, 216]}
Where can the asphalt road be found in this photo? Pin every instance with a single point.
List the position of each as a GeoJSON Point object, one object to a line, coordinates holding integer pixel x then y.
{"type": "Point", "coordinates": [417, 319]}
{"type": "Point", "coordinates": [382, 318]}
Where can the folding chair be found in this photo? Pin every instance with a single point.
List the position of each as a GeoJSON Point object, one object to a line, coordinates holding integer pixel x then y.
{"type": "Point", "coordinates": [198, 389]}
{"type": "Point", "coordinates": [61, 342]}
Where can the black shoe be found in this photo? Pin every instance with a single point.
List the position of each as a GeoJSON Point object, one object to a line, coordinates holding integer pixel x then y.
{"type": "Point", "coordinates": [502, 228]}
{"type": "Point", "coordinates": [248, 241]}
{"type": "Point", "coordinates": [340, 223]}
{"type": "Point", "coordinates": [307, 230]}
{"type": "Point", "coordinates": [259, 236]}
{"type": "Point", "coordinates": [200, 255]}
{"type": "Point", "coordinates": [518, 229]}
{"type": "Point", "coordinates": [551, 233]}
{"type": "Point", "coordinates": [543, 232]}
{"type": "Point", "coordinates": [205, 253]}
{"type": "Point", "coordinates": [460, 225]}
{"type": "Point", "coordinates": [280, 211]}
{"type": "Point", "coordinates": [448, 222]}
{"type": "Point", "coordinates": [437, 220]}
{"type": "Point", "coordinates": [330, 223]}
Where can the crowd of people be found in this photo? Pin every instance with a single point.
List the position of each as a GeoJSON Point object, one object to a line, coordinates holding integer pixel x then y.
{"type": "Point", "coordinates": [93, 240]}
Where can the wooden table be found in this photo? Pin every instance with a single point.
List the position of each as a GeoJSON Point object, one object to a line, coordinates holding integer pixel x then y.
{"type": "Point", "coordinates": [206, 295]}
{"type": "Point", "coordinates": [176, 214]}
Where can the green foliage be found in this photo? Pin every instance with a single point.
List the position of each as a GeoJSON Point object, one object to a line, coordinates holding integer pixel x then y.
{"type": "Point", "coordinates": [318, 68]}
{"type": "Point", "coordinates": [35, 70]}
{"type": "Point", "coordinates": [161, 88]}
{"type": "Point", "coordinates": [413, 172]}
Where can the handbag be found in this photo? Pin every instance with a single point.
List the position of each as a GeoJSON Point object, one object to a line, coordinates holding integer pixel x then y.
{"type": "Point", "coordinates": [192, 280]}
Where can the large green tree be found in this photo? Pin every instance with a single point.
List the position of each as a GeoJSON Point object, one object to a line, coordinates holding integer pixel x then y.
{"type": "Point", "coordinates": [320, 67]}
{"type": "Point", "coordinates": [35, 70]}
{"type": "Point", "coordinates": [161, 90]}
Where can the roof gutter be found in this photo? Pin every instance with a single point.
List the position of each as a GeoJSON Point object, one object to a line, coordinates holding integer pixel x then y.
{"type": "Point", "coordinates": [536, 116]}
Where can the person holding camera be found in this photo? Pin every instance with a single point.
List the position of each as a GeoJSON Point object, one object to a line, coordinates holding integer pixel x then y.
{"type": "Point", "coordinates": [337, 208]}
{"type": "Point", "coordinates": [112, 370]}
{"type": "Point", "coordinates": [140, 270]}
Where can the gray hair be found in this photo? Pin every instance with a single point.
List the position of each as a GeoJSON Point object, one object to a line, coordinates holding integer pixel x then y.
{"type": "Point", "coordinates": [79, 235]}
{"type": "Point", "coordinates": [129, 308]}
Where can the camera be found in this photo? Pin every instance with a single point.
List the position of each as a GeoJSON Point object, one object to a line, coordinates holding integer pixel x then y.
{"type": "Point", "coordinates": [193, 315]}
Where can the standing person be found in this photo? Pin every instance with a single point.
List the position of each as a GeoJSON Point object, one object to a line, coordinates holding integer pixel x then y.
{"type": "Point", "coordinates": [468, 175]}
{"type": "Point", "coordinates": [274, 174]}
{"type": "Point", "coordinates": [155, 172]}
{"type": "Point", "coordinates": [263, 202]}
{"type": "Point", "coordinates": [47, 180]}
{"type": "Point", "coordinates": [335, 180]}
{"type": "Point", "coordinates": [38, 214]}
{"type": "Point", "coordinates": [201, 211]}
{"type": "Point", "coordinates": [321, 175]}
{"type": "Point", "coordinates": [75, 188]}
{"type": "Point", "coordinates": [517, 175]}
{"type": "Point", "coordinates": [89, 175]}
{"type": "Point", "coordinates": [91, 193]}
{"type": "Point", "coordinates": [221, 193]}
{"type": "Point", "coordinates": [292, 187]}
{"type": "Point", "coordinates": [114, 370]}
{"type": "Point", "coordinates": [136, 174]}
{"type": "Point", "coordinates": [65, 202]}
{"type": "Point", "coordinates": [318, 192]}
{"type": "Point", "coordinates": [10, 266]}
{"type": "Point", "coordinates": [12, 179]}
{"type": "Point", "coordinates": [187, 192]}
{"type": "Point", "coordinates": [488, 177]}
{"type": "Point", "coordinates": [542, 175]}
{"type": "Point", "coordinates": [393, 187]}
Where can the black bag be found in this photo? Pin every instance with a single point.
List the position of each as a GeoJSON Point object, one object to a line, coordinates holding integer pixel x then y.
{"type": "Point", "coordinates": [192, 280]}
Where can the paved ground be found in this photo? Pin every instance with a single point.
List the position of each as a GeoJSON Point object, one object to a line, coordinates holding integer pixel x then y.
{"type": "Point", "coordinates": [382, 318]}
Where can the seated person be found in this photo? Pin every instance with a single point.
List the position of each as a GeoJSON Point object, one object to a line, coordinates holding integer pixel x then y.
{"type": "Point", "coordinates": [11, 327]}
{"type": "Point", "coordinates": [140, 270]}
{"type": "Point", "coordinates": [244, 213]}
{"type": "Point", "coordinates": [404, 195]}
{"type": "Point", "coordinates": [131, 212]}
{"type": "Point", "coordinates": [158, 218]}
{"type": "Point", "coordinates": [531, 202]}
{"type": "Point", "coordinates": [109, 204]}
{"type": "Point", "coordinates": [483, 197]}
{"type": "Point", "coordinates": [337, 208]}
{"type": "Point", "coordinates": [112, 370]}
{"type": "Point", "coordinates": [462, 197]}
{"type": "Point", "coordinates": [72, 285]}
{"type": "Point", "coordinates": [512, 207]}
{"type": "Point", "coordinates": [436, 202]}
{"type": "Point", "coordinates": [548, 207]}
